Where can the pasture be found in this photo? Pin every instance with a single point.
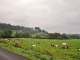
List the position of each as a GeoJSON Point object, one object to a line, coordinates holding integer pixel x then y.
{"type": "Point", "coordinates": [43, 46]}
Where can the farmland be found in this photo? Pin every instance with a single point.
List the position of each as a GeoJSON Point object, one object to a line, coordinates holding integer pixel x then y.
{"type": "Point", "coordinates": [44, 49]}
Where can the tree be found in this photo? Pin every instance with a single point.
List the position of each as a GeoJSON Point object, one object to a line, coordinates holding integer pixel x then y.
{"type": "Point", "coordinates": [56, 35]}
{"type": "Point", "coordinates": [50, 35]}
{"type": "Point", "coordinates": [1, 33]}
{"type": "Point", "coordinates": [64, 36]}
{"type": "Point", "coordinates": [37, 29]}
{"type": "Point", "coordinates": [7, 33]}
{"type": "Point", "coordinates": [73, 36]}
{"type": "Point", "coordinates": [18, 34]}
{"type": "Point", "coordinates": [25, 34]}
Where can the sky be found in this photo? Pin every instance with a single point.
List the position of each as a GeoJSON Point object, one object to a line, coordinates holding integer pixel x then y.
{"type": "Point", "coordinates": [61, 16]}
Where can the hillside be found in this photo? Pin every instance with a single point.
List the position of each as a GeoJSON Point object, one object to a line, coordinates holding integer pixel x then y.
{"type": "Point", "coordinates": [18, 30]}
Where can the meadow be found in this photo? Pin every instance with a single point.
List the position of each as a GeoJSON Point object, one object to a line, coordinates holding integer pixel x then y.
{"type": "Point", "coordinates": [43, 49]}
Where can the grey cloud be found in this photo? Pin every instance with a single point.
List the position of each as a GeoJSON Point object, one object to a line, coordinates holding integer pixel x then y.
{"type": "Point", "coordinates": [52, 15]}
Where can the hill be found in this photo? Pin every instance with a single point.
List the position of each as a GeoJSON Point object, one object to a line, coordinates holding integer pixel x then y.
{"type": "Point", "coordinates": [18, 30]}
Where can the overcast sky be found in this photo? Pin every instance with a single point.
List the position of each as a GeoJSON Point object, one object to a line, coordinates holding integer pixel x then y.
{"type": "Point", "coordinates": [61, 16]}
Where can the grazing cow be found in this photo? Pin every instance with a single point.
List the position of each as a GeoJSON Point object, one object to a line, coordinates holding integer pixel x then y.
{"type": "Point", "coordinates": [34, 45]}
{"type": "Point", "coordinates": [11, 41]}
{"type": "Point", "coordinates": [63, 44]}
{"type": "Point", "coordinates": [54, 45]}
{"type": "Point", "coordinates": [65, 47]}
{"type": "Point", "coordinates": [19, 41]}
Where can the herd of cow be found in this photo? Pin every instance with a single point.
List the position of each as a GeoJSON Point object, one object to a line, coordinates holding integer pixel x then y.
{"type": "Point", "coordinates": [64, 45]}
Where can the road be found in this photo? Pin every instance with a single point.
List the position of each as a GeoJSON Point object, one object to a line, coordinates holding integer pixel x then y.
{"type": "Point", "coordinates": [6, 55]}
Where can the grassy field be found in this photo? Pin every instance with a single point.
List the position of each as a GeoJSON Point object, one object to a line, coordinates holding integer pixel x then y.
{"type": "Point", "coordinates": [43, 49]}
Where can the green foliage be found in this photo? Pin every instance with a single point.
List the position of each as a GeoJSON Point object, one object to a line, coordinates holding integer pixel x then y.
{"type": "Point", "coordinates": [37, 29]}
{"type": "Point", "coordinates": [1, 33]}
{"type": "Point", "coordinates": [19, 31]}
{"type": "Point", "coordinates": [11, 27]}
{"type": "Point", "coordinates": [18, 34]}
{"type": "Point", "coordinates": [4, 33]}
{"type": "Point", "coordinates": [54, 35]}
{"type": "Point", "coordinates": [73, 36]}
{"type": "Point", "coordinates": [7, 33]}
{"type": "Point", "coordinates": [25, 34]}
{"type": "Point", "coordinates": [63, 36]}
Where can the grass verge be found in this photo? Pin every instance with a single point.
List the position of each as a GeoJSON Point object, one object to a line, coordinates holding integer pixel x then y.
{"type": "Point", "coordinates": [31, 55]}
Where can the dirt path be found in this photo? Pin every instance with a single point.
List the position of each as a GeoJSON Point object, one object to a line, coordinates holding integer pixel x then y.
{"type": "Point", "coordinates": [6, 55]}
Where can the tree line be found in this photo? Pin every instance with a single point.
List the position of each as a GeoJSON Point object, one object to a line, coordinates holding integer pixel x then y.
{"type": "Point", "coordinates": [5, 33]}
{"type": "Point", "coordinates": [17, 27]}
{"type": "Point", "coordinates": [63, 36]}
{"type": "Point", "coordinates": [10, 31]}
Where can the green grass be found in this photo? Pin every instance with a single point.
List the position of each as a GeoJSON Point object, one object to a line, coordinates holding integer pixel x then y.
{"type": "Point", "coordinates": [44, 51]}
{"type": "Point", "coordinates": [31, 55]}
